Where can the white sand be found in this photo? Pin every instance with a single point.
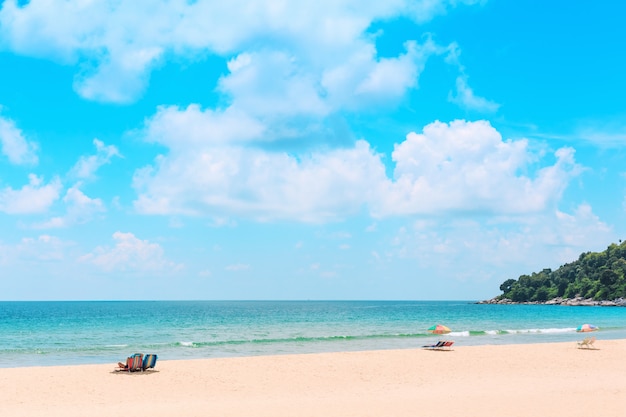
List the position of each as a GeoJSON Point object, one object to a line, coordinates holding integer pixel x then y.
{"type": "Point", "coordinates": [482, 381]}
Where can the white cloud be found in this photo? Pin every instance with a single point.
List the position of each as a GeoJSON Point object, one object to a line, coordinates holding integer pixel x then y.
{"type": "Point", "coordinates": [425, 10]}
{"type": "Point", "coordinates": [272, 83]}
{"type": "Point", "coordinates": [33, 252]}
{"type": "Point", "coordinates": [15, 146]}
{"type": "Point", "coordinates": [130, 254]}
{"type": "Point", "coordinates": [501, 248]}
{"type": "Point", "coordinates": [192, 127]}
{"type": "Point", "coordinates": [87, 166]}
{"type": "Point", "coordinates": [457, 167]}
{"type": "Point", "coordinates": [467, 167]}
{"type": "Point", "coordinates": [286, 95]}
{"type": "Point", "coordinates": [35, 197]}
{"type": "Point", "coordinates": [208, 172]}
{"type": "Point", "coordinates": [44, 248]}
{"type": "Point", "coordinates": [79, 209]}
{"type": "Point", "coordinates": [118, 79]}
{"type": "Point", "coordinates": [117, 44]}
{"type": "Point", "coordinates": [223, 181]}
{"type": "Point", "coordinates": [466, 98]}
{"type": "Point", "coordinates": [360, 79]}
{"type": "Point", "coordinates": [393, 75]}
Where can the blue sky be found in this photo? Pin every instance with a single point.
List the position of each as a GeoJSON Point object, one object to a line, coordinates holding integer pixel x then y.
{"type": "Point", "coordinates": [305, 150]}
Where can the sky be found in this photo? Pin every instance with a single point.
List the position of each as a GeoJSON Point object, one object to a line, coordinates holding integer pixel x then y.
{"type": "Point", "coordinates": [283, 150]}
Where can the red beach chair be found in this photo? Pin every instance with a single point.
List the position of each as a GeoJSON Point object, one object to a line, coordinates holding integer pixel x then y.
{"type": "Point", "coordinates": [133, 363]}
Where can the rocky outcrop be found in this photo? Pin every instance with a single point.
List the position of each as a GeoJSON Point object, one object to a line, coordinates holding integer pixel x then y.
{"type": "Point", "coordinates": [577, 301]}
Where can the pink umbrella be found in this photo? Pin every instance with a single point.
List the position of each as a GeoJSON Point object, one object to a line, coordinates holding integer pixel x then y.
{"type": "Point", "coordinates": [439, 329]}
{"type": "Point", "coordinates": [587, 328]}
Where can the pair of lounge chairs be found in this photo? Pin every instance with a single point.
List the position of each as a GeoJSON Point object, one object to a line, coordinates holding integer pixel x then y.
{"type": "Point", "coordinates": [440, 345]}
{"type": "Point", "coordinates": [138, 363]}
{"type": "Point", "coordinates": [587, 343]}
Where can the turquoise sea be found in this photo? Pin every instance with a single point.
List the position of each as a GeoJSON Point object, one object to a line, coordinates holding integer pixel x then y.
{"type": "Point", "coordinates": [81, 332]}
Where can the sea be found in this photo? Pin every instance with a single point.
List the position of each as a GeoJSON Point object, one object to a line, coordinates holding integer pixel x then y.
{"type": "Point", "coordinates": [98, 332]}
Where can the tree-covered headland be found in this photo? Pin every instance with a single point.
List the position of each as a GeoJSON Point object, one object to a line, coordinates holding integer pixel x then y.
{"type": "Point", "coordinates": [595, 275]}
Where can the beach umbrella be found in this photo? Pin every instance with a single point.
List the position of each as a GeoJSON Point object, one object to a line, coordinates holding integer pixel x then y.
{"type": "Point", "coordinates": [586, 328]}
{"type": "Point", "coordinates": [439, 329]}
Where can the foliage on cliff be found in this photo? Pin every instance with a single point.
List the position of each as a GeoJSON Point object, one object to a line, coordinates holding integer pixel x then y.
{"type": "Point", "coordinates": [596, 275]}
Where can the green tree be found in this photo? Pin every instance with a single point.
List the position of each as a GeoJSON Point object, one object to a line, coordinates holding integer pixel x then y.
{"type": "Point", "coordinates": [541, 294]}
{"type": "Point", "coordinates": [600, 276]}
{"type": "Point", "coordinates": [507, 285]}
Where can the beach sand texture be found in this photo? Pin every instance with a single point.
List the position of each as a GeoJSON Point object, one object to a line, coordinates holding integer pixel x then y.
{"type": "Point", "coordinates": [513, 380]}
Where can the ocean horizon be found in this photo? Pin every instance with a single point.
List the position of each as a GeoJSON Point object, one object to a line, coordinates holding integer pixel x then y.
{"type": "Point", "coordinates": [48, 333]}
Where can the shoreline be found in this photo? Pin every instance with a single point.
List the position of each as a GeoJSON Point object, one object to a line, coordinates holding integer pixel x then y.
{"type": "Point", "coordinates": [486, 380]}
{"type": "Point", "coordinates": [459, 343]}
{"type": "Point", "coordinates": [569, 302]}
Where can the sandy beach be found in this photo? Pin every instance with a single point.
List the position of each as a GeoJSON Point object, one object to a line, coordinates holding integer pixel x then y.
{"type": "Point", "coordinates": [512, 380]}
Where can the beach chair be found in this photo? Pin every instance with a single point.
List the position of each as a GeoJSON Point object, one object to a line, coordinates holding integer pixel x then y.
{"type": "Point", "coordinates": [126, 366]}
{"type": "Point", "coordinates": [435, 346]}
{"type": "Point", "coordinates": [587, 343]}
{"type": "Point", "coordinates": [133, 363]}
{"type": "Point", "coordinates": [447, 345]}
{"type": "Point", "coordinates": [440, 345]}
{"type": "Point", "coordinates": [583, 343]}
{"type": "Point", "coordinates": [149, 361]}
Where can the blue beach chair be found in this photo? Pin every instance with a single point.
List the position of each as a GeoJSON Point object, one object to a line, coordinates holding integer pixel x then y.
{"type": "Point", "coordinates": [149, 361]}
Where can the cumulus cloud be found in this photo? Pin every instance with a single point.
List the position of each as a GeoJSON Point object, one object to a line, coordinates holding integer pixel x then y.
{"type": "Point", "coordinates": [130, 254]}
{"type": "Point", "coordinates": [457, 167]}
{"type": "Point", "coordinates": [223, 181]}
{"type": "Point", "coordinates": [467, 167]}
{"type": "Point", "coordinates": [117, 44]}
{"type": "Point", "coordinates": [87, 166]}
{"type": "Point", "coordinates": [178, 129]}
{"type": "Point", "coordinates": [361, 80]}
{"type": "Point", "coordinates": [15, 146]}
{"type": "Point", "coordinates": [272, 83]}
{"type": "Point", "coordinates": [121, 77]}
{"type": "Point", "coordinates": [79, 209]}
{"type": "Point", "coordinates": [34, 197]}
{"type": "Point", "coordinates": [38, 197]}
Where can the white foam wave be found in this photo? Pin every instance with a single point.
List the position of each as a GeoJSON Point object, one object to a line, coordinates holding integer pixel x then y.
{"type": "Point", "coordinates": [186, 344]}
{"type": "Point", "coordinates": [460, 334]}
{"type": "Point", "coordinates": [552, 330]}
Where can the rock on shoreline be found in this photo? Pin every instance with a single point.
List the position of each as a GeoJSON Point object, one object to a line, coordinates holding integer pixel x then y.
{"type": "Point", "coordinates": [577, 301]}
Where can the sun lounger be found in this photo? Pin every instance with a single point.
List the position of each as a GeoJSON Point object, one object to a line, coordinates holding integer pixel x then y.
{"type": "Point", "coordinates": [586, 343]}
{"type": "Point", "coordinates": [149, 361]}
{"type": "Point", "coordinates": [125, 367]}
{"type": "Point", "coordinates": [440, 345]}
{"type": "Point", "coordinates": [134, 363]}
{"type": "Point", "coordinates": [437, 345]}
